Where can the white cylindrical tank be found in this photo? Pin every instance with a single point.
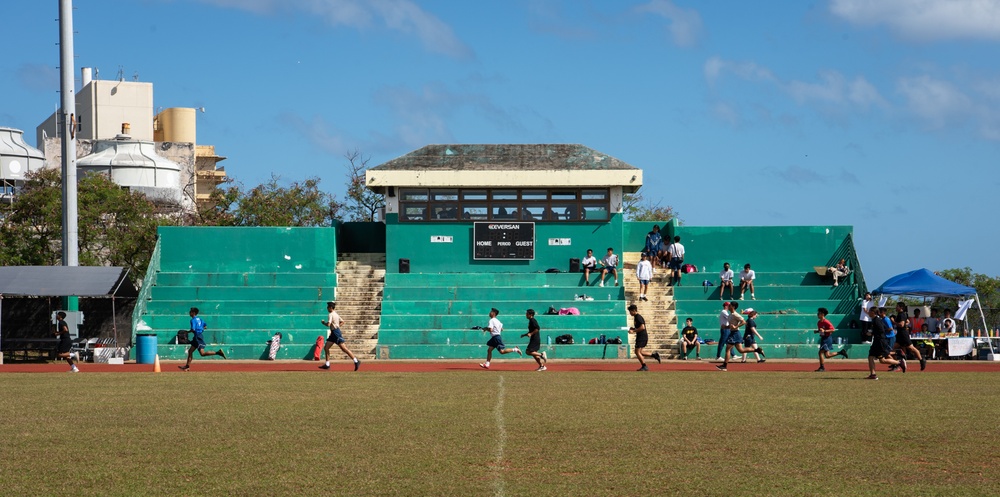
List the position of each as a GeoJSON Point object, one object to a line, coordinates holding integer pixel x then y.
{"type": "Point", "coordinates": [85, 76]}
{"type": "Point", "coordinates": [131, 163]}
{"type": "Point", "coordinates": [16, 157]}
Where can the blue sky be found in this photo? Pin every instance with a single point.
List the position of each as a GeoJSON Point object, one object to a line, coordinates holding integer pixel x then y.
{"type": "Point", "coordinates": [882, 115]}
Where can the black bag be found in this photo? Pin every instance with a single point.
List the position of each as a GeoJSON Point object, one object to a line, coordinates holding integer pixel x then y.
{"type": "Point", "coordinates": [553, 311]}
{"type": "Point", "coordinates": [182, 337]}
{"type": "Point", "coordinates": [564, 339]}
{"type": "Point", "coordinates": [615, 341]}
{"type": "Point", "coordinates": [553, 270]}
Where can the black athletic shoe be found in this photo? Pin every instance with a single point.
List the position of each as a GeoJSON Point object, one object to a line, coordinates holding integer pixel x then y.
{"type": "Point", "coordinates": [902, 364]}
{"type": "Point", "coordinates": [357, 364]}
{"type": "Point", "coordinates": [684, 357]}
{"type": "Point", "coordinates": [221, 353]}
{"type": "Point", "coordinates": [184, 368]}
{"type": "Point", "coordinates": [820, 370]}
{"type": "Point", "coordinates": [643, 368]}
{"type": "Point", "coordinates": [761, 361]}
{"type": "Point", "coordinates": [843, 352]}
{"type": "Point", "coordinates": [722, 367]}
{"type": "Point", "coordinates": [923, 363]}
{"type": "Point", "coordinates": [656, 355]}
{"type": "Point", "coordinates": [871, 377]}
{"type": "Point", "coordinates": [893, 367]}
{"type": "Point", "coordinates": [760, 351]}
{"type": "Point", "coordinates": [325, 366]}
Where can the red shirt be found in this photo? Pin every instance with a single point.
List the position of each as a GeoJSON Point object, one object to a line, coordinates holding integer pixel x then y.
{"type": "Point", "coordinates": [826, 327]}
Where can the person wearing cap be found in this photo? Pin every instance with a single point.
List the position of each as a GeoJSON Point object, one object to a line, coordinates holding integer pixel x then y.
{"type": "Point", "coordinates": [735, 341]}
{"type": "Point", "coordinates": [496, 342]}
{"type": "Point", "coordinates": [825, 329]}
{"type": "Point", "coordinates": [534, 340]}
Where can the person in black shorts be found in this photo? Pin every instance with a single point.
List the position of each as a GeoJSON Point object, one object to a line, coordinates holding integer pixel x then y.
{"type": "Point", "coordinates": [641, 337]}
{"type": "Point", "coordinates": [880, 349]}
{"type": "Point", "coordinates": [535, 340]}
{"type": "Point", "coordinates": [903, 341]}
{"type": "Point", "coordinates": [65, 342]}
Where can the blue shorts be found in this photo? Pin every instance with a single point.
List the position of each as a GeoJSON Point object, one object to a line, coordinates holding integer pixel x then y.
{"type": "Point", "coordinates": [749, 341]}
{"type": "Point", "coordinates": [198, 342]}
{"type": "Point", "coordinates": [734, 338]}
{"type": "Point", "coordinates": [496, 342]}
{"type": "Point", "coordinates": [826, 344]}
{"type": "Point", "coordinates": [643, 282]}
{"type": "Point", "coordinates": [675, 263]}
{"type": "Point", "coordinates": [336, 337]}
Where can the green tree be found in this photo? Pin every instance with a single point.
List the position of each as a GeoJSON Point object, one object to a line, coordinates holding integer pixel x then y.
{"type": "Point", "coordinates": [988, 289]}
{"type": "Point", "coordinates": [362, 203]}
{"type": "Point", "coordinates": [270, 204]}
{"type": "Point", "coordinates": [116, 227]}
{"type": "Point", "coordinates": [636, 207]}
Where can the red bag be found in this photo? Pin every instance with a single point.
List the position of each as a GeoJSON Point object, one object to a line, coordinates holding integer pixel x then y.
{"type": "Point", "coordinates": [319, 348]}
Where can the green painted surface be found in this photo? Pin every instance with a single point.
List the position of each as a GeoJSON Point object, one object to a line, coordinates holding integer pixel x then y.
{"type": "Point", "coordinates": [413, 241]}
{"type": "Point", "coordinates": [249, 284]}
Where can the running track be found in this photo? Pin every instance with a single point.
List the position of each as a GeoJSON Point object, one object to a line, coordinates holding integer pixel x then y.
{"type": "Point", "coordinates": [555, 366]}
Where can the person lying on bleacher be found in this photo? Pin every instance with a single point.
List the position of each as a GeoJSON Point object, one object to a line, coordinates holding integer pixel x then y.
{"type": "Point", "coordinates": [839, 271]}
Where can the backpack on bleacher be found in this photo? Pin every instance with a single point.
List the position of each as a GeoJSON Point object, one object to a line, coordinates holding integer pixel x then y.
{"type": "Point", "coordinates": [564, 339]}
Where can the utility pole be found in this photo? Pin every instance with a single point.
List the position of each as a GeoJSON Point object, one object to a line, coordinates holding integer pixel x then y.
{"type": "Point", "coordinates": [67, 114]}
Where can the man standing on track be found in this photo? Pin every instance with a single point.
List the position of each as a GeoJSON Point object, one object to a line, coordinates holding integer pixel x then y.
{"type": "Point", "coordinates": [535, 340]}
{"type": "Point", "coordinates": [65, 342]}
{"type": "Point", "coordinates": [334, 322]}
{"type": "Point", "coordinates": [198, 342]}
{"type": "Point", "coordinates": [641, 337]}
{"type": "Point", "coordinates": [496, 342]}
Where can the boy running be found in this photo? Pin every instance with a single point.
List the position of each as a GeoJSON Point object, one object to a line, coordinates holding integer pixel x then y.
{"type": "Point", "coordinates": [198, 342]}
{"type": "Point", "coordinates": [735, 341]}
{"type": "Point", "coordinates": [496, 342]}
{"type": "Point", "coordinates": [534, 340]}
{"type": "Point", "coordinates": [880, 345]}
{"type": "Point", "coordinates": [334, 322]}
{"type": "Point", "coordinates": [825, 329]}
{"type": "Point", "coordinates": [641, 337]}
{"type": "Point", "coordinates": [65, 342]}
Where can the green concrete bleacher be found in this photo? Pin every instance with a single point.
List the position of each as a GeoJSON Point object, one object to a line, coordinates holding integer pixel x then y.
{"type": "Point", "coordinates": [430, 315]}
{"type": "Point", "coordinates": [788, 291]}
{"type": "Point", "coordinates": [248, 283]}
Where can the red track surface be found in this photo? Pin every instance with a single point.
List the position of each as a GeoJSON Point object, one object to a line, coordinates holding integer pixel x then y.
{"type": "Point", "coordinates": [555, 366]}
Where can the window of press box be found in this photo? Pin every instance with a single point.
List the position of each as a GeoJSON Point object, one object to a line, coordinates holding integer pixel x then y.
{"type": "Point", "coordinates": [409, 195]}
{"type": "Point", "coordinates": [452, 204]}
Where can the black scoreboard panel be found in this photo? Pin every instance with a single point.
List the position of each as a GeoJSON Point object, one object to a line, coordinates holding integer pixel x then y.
{"type": "Point", "coordinates": [500, 240]}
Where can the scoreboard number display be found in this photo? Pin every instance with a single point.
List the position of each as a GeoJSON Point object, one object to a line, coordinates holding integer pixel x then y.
{"type": "Point", "coordinates": [499, 240]}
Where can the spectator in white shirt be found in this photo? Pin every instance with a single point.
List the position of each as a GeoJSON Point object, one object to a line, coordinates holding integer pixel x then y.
{"type": "Point", "coordinates": [746, 281]}
{"type": "Point", "coordinates": [610, 263]}
{"type": "Point", "coordinates": [644, 272]}
{"type": "Point", "coordinates": [589, 264]}
{"type": "Point", "coordinates": [676, 253]}
{"type": "Point", "coordinates": [726, 280]}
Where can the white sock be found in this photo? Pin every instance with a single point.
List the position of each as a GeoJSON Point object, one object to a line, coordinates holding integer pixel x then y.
{"type": "Point", "coordinates": [327, 363]}
{"type": "Point", "coordinates": [487, 363]}
{"type": "Point", "coordinates": [355, 359]}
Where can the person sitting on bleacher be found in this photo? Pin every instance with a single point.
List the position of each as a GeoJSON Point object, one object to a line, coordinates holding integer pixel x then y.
{"type": "Point", "coordinates": [839, 271]}
{"type": "Point", "coordinates": [725, 280]}
{"type": "Point", "coordinates": [588, 264]}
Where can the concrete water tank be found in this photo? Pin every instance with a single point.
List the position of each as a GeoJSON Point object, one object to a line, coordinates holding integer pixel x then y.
{"type": "Point", "coordinates": [176, 124]}
{"type": "Point", "coordinates": [16, 157]}
{"type": "Point", "coordinates": [131, 163]}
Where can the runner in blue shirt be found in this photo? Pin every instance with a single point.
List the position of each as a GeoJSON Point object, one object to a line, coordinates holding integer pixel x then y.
{"type": "Point", "coordinates": [198, 342]}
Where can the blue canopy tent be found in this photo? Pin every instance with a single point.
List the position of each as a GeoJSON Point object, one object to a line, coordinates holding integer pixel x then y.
{"type": "Point", "coordinates": [924, 283]}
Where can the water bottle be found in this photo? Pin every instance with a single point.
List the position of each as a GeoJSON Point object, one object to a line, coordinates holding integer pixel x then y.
{"type": "Point", "coordinates": [448, 341]}
{"type": "Point", "coordinates": [703, 269]}
{"type": "Point", "coordinates": [609, 296]}
{"type": "Point", "coordinates": [548, 339]}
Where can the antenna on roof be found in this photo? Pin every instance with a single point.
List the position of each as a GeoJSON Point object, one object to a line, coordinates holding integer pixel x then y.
{"type": "Point", "coordinates": [121, 74]}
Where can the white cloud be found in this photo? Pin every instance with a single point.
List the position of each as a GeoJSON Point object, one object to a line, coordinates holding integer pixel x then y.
{"type": "Point", "coordinates": [685, 24]}
{"type": "Point", "coordinates": [750, 71]}
{"type": "Point", "coordinates": [936, 102]}
{"type": "Point", "coordinates": [925, 19]}
{"type": "Point", "coordinates": [403, 16]}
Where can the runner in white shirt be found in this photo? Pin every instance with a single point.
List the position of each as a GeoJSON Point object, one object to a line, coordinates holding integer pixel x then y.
{"type": "Point", "coordinates": [746, 281]}
{"type": "Point", "coordinates": [726, 280]}
{"type": "Point", "coordinates": [496, 342]}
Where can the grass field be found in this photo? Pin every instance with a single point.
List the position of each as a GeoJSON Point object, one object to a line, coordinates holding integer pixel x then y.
{"type": "Point", "coordinates": [499, 433]}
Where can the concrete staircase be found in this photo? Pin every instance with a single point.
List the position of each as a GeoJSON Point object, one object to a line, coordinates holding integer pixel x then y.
{"type": "Point", "coordinates": [360, 283]}
{"type": "Point", "coordinates": [659, 311]}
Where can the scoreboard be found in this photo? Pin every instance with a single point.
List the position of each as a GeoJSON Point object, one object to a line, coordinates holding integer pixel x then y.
{"type": "Point", "coordinates": [500, 240]}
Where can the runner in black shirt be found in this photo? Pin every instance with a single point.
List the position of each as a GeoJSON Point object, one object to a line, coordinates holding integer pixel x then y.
{"type": "Point", "coordinates": [535, 340]}
{"type": "Point", "coordinates": [641, 337]}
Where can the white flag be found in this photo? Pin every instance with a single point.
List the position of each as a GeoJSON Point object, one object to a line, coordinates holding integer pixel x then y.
{"type": "Point", "coordinates": [963, 308]}
{"type": "Point", "coordinates": [882, 300]}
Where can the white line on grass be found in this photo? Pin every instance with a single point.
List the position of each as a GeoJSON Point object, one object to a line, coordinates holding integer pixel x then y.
{"type": "Point", "coordinates": [498, 483]}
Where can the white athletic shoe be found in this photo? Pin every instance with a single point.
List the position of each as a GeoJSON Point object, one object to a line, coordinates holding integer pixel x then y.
{"type": "Point", "coordinates": [74, 370]}
{"type": "Point", "coordinates": [483, 365]}
{"type": "Point", "coordinates": [602, 284]}
{"type": "Point", "coordinates": [518, 351]}
{"type": "Point", "coordinates": [545, 357]}
{"type": "Point", "coordinates": [753, 297]}
{"type": "Point", "coordinates": [541, 368]}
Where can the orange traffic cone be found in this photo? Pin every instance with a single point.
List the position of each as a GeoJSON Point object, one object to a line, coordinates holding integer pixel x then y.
{"type": "Point", "coordinates": [156, 364]}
